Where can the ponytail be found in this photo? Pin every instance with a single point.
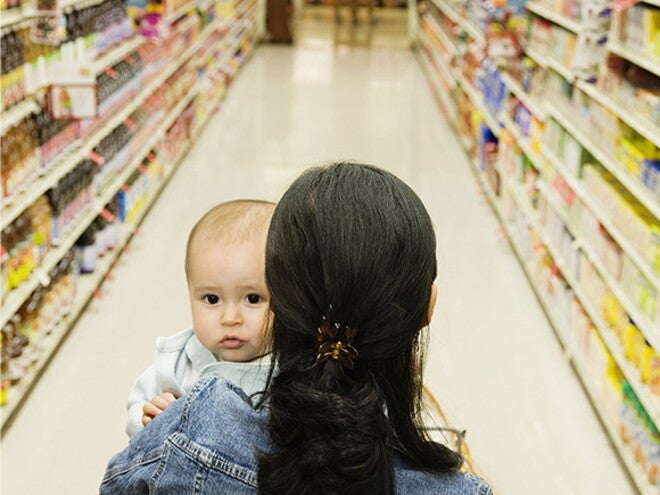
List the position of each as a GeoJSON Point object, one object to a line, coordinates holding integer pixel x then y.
{"type": "Point", "coordinates": [355, 239]}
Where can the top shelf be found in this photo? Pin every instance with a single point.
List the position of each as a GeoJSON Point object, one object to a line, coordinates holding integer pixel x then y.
{"type": "Point", "coordinates": [559, 19]}
{"type": "Point", "coordinates": [474, 32]}
{"type": "Point", "coordinates": [645, 61]}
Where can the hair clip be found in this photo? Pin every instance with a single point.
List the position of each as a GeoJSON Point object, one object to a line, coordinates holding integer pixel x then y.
{"type": "Point", "coordinates": [332, 348]}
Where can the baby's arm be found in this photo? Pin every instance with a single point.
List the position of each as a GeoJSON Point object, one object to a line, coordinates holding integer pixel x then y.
{"type": "Point", "coordinates": [156, 406]}
{"type": "Point", "coordinates": [144, 389]}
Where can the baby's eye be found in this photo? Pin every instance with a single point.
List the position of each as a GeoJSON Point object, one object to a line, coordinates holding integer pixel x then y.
{"type": "Point", "coordinates": [253, 298]}
{"type": "Point", "coordinates": [210, 299]}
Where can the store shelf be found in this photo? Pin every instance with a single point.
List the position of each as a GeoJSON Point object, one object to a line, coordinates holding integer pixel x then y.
{"type": "Point", "coordinates": [15, 114]}
{"type": "Point", "coordinates": [475, 33]}
{"type": "Point", "coordinates": [632, 375]}
{"type": "Point", "coordinates": [478, 102]}
{"type": "Point", "coordinates": [117, 53]}
{"type": "Point", "coordinates": [649, 63]}
{"type": "Point", "coordinates": [443, 69]}
{"type": "Point", "coordinates": [529, 101]}
{"type": "Point", "coordinates": [634, 469]}
{"type": "Point", "coordinates": [69, 160]}
{"type": "Point", "coordinates": [640, 124]}
{"type": "Point", "coordinates": [14, 299]}
{"type": "Point", "coordinates": [647, 328]}
{"type": "Point", "coordinates": [11, 16]}
{"type": "Point", "coordinates": [521, 141]}
{"type": "Point", "coordinates": [181, 11]}
{"type": "Point", "coordinates": [447, 43]}
{"type": "Point", "coordinates": [446, 103]}
{"type": "Point", "coordinates": [652, 2]}
{"type": "Point", "coordinates": [87, 286]}
{"type": "Point", "coordinates": [562, 20]}
{"type": "Point", "coordinates": [541, 60]}
{"type": "Point", "coordinates": [642, 194]}
{"type": "Point", "coordinates": [555, 203]}
{"type": "Point", "coordinates": [561, 69]}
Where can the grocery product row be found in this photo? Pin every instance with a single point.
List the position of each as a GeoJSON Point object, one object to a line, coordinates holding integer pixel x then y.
{"type": "Point", "coordinates": [558, 107]}
{"type": "Point", "coordinates": [75, 190]}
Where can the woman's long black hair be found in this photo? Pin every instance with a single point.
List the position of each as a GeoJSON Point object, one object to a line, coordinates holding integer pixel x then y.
{"type": "Point", "coordinates": [354, 244]}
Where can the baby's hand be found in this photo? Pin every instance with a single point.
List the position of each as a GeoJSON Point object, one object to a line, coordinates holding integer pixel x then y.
{"type": "Point", "coordinates": [156, 406]}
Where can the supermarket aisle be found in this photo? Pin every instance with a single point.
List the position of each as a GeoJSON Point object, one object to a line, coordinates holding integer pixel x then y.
{"type": "Point", "coordinates": [493, 363]}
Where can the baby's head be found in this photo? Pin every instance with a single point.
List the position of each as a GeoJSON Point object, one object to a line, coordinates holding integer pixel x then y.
{"type": "Point", "coordinates": [226, 282]}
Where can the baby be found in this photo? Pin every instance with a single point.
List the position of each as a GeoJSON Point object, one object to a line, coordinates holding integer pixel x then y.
{"type": "Point", "coordinates": [230, 312]}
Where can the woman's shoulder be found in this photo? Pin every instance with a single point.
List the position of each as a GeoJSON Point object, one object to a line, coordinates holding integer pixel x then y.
{"type": "Point", "coordinates": [416, 482]}
{"type": "Point", "coordinates": [220, 415]}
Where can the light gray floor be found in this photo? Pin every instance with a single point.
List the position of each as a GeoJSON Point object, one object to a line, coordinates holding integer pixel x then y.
{"type": "Point", "coordinates": [494, 363]}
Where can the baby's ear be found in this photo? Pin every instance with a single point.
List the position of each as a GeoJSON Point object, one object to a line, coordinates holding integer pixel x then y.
{"type": "Point", "coordinates": [432, 300]}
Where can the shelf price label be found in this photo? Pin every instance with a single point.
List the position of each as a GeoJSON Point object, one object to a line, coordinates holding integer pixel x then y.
{"type": "Point", "coordinates": [107, 215]}
{"type": "Point", "coordinates": [111, 72]}
{"type": "Point", "coordinates": [130, 124]}
{"type": "Point", "coordinates": [96, 158]}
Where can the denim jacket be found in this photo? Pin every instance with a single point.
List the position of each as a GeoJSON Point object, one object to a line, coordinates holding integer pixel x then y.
{"type": "Point", "coordinates": [205, 443]}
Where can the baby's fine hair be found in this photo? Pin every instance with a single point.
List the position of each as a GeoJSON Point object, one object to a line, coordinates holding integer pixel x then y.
{"type": "Point", "coordinates": [235, 221]}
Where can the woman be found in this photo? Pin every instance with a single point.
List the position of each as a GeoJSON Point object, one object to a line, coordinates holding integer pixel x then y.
{"type": "Point", "coordinates": [350, 265]}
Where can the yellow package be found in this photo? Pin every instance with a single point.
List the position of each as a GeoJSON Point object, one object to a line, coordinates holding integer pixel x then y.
{"type": "Point", "coordinates": [633, 343]}
{"type": "Point", "coordinates": [648, 353]}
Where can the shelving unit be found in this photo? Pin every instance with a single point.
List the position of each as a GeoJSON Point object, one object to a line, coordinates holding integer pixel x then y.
{"type": "Point", "coordinates": [529, 101]}
{"type": "Point", "coordinates": [650, 64]}
{"type": "Point", "coordinates": [18, 112]}
{"type": "Point", "coordinates": [571, 24]}
{"type": "Point", "coordinates": [232, 40]}
{"type": "Point", "coordinates": [550, 168]}
{"type": "Point", "coordinates": [474, 32]}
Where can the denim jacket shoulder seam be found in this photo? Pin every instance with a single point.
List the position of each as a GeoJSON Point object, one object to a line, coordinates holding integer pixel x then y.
{"type": "Point", "coordinates": [149, 458]}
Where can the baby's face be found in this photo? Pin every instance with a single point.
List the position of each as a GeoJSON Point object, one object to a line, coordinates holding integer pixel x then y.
{"type": "Point", "coordinates": [229, 299]}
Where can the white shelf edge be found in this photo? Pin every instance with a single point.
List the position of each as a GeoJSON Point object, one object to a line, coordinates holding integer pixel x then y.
{"type": "Point", "coordinates": [11, 117]}
{"type": "Point", "coordinates": [447, 104]}
{"type": "Point", "coordinates": [621, 240]}
{"type": "Point", "coordinates": [11, 16]}
{"type": "Point", "coordinates": [642, 125]}
{"type": "Point", "coordinates": [555, 203]}
{"type": "Point", "coordinates": [641, 194]}
{"type": "Point", "coordinates": [571, 24]}
{"type": "Point", "coordinates": [561, 69]}
{"type": "Point", "coordinates": [642, 322]}
{"type": "Point", "coordinates": [541, 60]}
{"type": "Point", "coordinates": [181, 11]}
{"type": "Point", "coordinates": [444, 39]}
{"type": "Point", "coordinates": [526, 99]}
{"type": "Point", "coordinates": [646, 62]}
{"type": "Point", "coordinates": [448, 75]}
{"type": "Point", "coordinates": [521, 141]}
{"type": "Point", "coordinates": [467, 26]}
{"type": "Point", "coordinates": [117, 53]}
